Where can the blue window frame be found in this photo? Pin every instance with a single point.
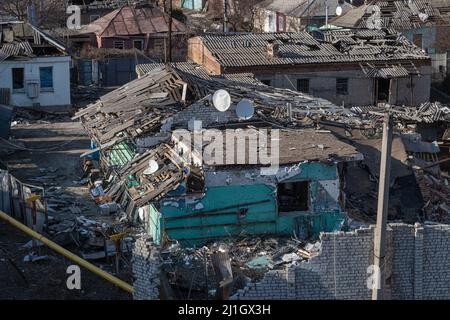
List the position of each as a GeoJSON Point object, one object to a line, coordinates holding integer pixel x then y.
{"type": "Point", "coordinates": [46, 76]}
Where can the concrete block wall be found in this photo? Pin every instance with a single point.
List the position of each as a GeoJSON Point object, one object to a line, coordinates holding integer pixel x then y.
{"type": "Point", "coordinates": [146, 269]}
{"type": "Point", "coordinates": [417, 267]}
{"type": "Point", "coordinates": [436, 262]}
{"type": "Point", "coordinates": [360, 88]}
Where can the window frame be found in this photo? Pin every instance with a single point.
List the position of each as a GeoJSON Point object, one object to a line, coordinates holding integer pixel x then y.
{"type": "Point", "coordinates": [339, 86]}
{"type": "Point", "coordinates": [141, 42]}
{"type": "Point", "coordinates": [46, 89]}
{"type": "Point", "coordinates": [307, 201]}
{"type": "Point", "coordinates": [115, 42]}
{"type": "Point", "coordinates": [416, 38]}
{"type": "Point", "coordinates": [308, 85]}
{"type": "Point", "coordinates": [14, 88]}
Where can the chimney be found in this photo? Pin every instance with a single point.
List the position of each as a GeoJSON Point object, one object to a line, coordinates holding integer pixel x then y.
{"type": "Point", "coordinates": [272, 50]}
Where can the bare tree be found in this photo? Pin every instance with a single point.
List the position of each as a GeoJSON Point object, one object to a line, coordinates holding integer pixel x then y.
{"type": "Point", "coordinates": [242, 14]}
{"type": "Point", "coordinates": [49, 13]}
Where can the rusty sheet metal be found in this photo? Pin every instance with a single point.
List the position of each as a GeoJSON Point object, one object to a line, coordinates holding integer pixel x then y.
{"type": "Point", "coordinates": [128, 21]}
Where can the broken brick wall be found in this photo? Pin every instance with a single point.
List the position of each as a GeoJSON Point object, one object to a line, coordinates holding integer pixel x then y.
{"type": "Point", "coordinates": [417, 265]}
{"type": "Point", "coordinates": [146, 270]}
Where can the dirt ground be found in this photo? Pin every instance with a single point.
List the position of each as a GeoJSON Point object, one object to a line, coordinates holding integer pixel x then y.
{"type": "Point", "coordinates": [56, 163]}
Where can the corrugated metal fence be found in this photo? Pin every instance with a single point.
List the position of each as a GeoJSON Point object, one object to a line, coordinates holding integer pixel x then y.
{"type": "Point", "coordinates": [13, 200]}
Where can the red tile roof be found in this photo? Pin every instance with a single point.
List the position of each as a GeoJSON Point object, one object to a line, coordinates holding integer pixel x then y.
{"type": "Point", "coordinates": [128, 21]}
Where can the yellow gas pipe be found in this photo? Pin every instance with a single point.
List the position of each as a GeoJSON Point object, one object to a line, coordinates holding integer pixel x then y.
{"type": "Point", "coordinates": [69, 255]}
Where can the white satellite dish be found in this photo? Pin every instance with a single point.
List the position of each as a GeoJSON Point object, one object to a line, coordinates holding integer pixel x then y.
{"type": "Point", "coordinates": [245, 109]}
{"type": "Point", "coordinates": [152, 167]}
{"type": "Point", "coordinates": [221, 100]}
{"type": "Point", "coordinates": [338, 10]}
{"type": "Point", "coordinates": [423, 17]}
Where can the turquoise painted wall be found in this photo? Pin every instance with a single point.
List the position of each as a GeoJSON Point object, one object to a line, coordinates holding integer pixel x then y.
{"type": "Point", "coordinates": [155, 224]}
{"type": "Point", "coordinates": [224, 211]}
{"type": "Point", "coordinates": [227, 211]}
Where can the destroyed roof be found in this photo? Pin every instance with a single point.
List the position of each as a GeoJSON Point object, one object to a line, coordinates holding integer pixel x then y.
{"type": "Point", "coordinates": [128, 21]}
{"type": "Point", "coordinates": [304, 8]}
{"type": "Point", "coordinates": [296, 146]}
{"type": "Point", "coordinates": [22, 39]}
{"type": "Point", "coordinates": [399, 15]}
{"type": "Point", "coordinates": [335, 46]}
{"type": "Point", "coordinates": [141, 106]}
{"type": "Point", "coordinates": [148, 186]}
{"type": "Point", "coordinates": [191, 71]}
{"type": "Point", "coordinates": [138, 107]}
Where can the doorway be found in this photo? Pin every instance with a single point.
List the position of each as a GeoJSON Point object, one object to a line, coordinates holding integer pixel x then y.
{"type": "Point", "coordinates": [382, 90]}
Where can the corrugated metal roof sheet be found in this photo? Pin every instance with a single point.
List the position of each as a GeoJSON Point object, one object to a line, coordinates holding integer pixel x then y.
{"type": "Point", "coordinates": [248, 49]}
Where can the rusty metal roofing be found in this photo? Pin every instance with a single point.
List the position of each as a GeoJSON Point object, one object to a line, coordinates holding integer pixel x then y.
{"type": "Point", "coordinates": [248, 49]}
{"type": "Point", "coordinates": [128, 21]}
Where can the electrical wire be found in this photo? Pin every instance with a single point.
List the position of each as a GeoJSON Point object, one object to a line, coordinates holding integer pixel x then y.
{"type": "Point", "coordinates": [21, 148]}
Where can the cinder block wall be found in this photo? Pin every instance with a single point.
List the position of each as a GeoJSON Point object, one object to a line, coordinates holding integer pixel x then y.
{"type": "Point", "coordinates": [146, 269]}
{"type": "Point", "coordinates": [417, 267]}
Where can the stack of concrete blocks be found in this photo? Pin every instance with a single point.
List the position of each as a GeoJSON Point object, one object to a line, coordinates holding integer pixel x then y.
{"type": "Point", "coordinates": [146, 269]}
{"type": "Point", "coordinates": [417, 267]}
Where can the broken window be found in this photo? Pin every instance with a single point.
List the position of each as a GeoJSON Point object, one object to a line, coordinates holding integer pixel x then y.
{"type": "Point", "coordinates": [138, 44]}
{"type": "Point", "coordinates": [195, 183]}
{"type": "Point", "coordinates": [46, 77]}
{"type": "Point", "coordinates": [18, 78]}
{"type": "Point", "coordinates": [293, 196]}
{"type": "Point", "coordinates": [417, 39]}
{"type": "Point", "coordinates": [267, 82]}
{"type": "Point", "coordinates": [281, 22]}
{"type": "Point", "coordinates": [119, 45]}
{"type": "Point", "coordinates": [342, 86]}
{"type": "Point", "coordinates": [303, 85]}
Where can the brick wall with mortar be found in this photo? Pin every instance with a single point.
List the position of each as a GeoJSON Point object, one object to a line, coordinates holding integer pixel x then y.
{"type": "Point", "coordinates": [146, 269]}
{"type": "Point", "coordinates": [417, 267]}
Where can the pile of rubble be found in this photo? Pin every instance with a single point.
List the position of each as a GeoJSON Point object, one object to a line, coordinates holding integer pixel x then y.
{"type": "Point", "coordinates": [192, 268]}
{"type": "Point", "coordinates": [436, 195]}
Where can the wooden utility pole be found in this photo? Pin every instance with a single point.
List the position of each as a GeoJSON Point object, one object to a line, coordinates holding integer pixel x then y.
{"type": "Point", "coordinates": [225, 17]}
{"type": "Point", "coordinates": [169, 49]}
{"type": "Point", "coordinates": [382, 210]}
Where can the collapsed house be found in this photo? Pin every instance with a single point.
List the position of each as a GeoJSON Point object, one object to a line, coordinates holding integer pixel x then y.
{"type": "Point", "coordinates": [294, 16]}
{"type": "Point", "coordinates": [34, 67]}
{"type": "Point", "coordinates": [193, 204]}
{"type": "Point", "coordinates": [305, 193]}
{"type": "Point", "coordinates": [425, 23]}
{"type": "Point", "coordinates": [348, 67]}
